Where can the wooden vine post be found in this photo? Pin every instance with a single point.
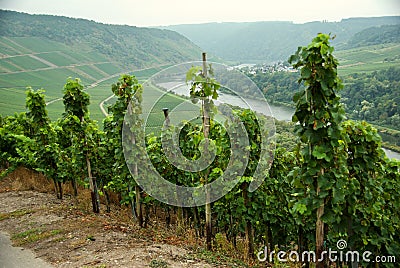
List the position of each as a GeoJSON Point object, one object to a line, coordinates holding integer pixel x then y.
{"type": "Point", "coordinates": [204, 88]}
{"type": "Point", "coordinates": [206, 131]}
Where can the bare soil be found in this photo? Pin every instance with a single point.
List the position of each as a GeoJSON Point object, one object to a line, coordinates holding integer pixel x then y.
{"type": "Point", "coordinates": [65, 233]}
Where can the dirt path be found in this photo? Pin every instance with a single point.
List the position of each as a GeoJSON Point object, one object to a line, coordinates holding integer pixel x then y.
{"type": "Point", "coordinates": [65, 235]}
{"type": "Point", "coordinates": [103, 110]}
{"type": "Point", "coordinates": [16, 257]}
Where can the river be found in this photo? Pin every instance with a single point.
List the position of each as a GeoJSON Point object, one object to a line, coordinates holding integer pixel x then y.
{"type": "Point", "coordinates": [280, 112]}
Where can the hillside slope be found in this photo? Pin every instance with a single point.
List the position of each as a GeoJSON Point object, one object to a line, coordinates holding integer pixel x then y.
{"type": "Point", "coordinates": [42, 51]}
{"type": "Point", "coordinates": [261, 42]}
{"type": "Point", "coordinates": [125, 45]}
{"type": "Point", "coordinates": [375, 35]}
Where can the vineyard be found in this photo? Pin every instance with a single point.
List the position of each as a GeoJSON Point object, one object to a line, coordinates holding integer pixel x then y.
{"type": "Point", "coordinates": [368, 58]}
{"type": "Point", "coordinates": [40, 63]}
{"type": "Point", "coordinates": [45, 64]}
{"type": "Point", "coordinates": [334, 183]}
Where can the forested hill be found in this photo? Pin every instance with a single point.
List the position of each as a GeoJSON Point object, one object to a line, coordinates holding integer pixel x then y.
{"type": "Point", "coordinates": [272, 41]}
{"type": "Point", "coordinates": [375, 35]}
{"type": "Point", "coordinates": [132, 47]}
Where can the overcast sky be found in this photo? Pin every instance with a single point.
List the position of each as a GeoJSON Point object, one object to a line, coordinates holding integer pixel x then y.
{"type": "Point", "coordinates": [169, 12]}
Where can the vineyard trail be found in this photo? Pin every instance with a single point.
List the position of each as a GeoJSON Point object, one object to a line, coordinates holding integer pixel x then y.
{"type": "Point", "coordinates": [65, 234]}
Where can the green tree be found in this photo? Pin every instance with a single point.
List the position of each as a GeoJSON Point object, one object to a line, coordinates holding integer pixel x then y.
{"type": "Point", "coordinates": [129, 98]}
{"type": "Point", "coordinates": [43, 133]}
{"type": "Point", "coordinates": [77, 123]}
{"type": "Point", "coordinates": [319, 115]}
{"type": "Point", "coordinates": [16, 146]}
{"type": "Point", "coordinates": [371, 212]}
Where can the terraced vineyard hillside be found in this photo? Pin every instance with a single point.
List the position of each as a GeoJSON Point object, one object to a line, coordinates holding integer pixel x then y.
{"type": "Point", "coordinates": [39, 63]}
{"type": "Point", "coordinates": [368, 58]}
{"type": "Point", "coordinates": [34, 54]}
{"type": "Point", "coordinates": [46, 64]}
